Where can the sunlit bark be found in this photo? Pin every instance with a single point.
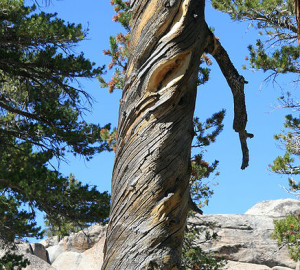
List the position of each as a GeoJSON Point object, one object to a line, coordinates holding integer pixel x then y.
{"type": "Point", "coordinates": [150, 183]}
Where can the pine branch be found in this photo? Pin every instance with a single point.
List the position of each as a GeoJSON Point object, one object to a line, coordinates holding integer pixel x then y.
{"type": "Point", "coordinates": [4, 105]}
{"type": "Point", "coordinates": [236, 82]}
{"type": "Point", "coordinates": [269, 21]}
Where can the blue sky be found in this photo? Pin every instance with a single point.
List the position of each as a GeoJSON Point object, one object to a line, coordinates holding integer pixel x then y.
{"type": "Point", "coordinates": [237, 190]}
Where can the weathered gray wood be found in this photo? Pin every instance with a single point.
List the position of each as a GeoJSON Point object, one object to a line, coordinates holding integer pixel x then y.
{"type": "Point", "coordinates": [236, 83]}
{"type": "Point", "coordinates": [150, 183]}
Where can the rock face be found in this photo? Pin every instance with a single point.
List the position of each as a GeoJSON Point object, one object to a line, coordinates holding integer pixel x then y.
{"type": "Point", "coordinates": [244, 240]}
{"type": "Point", "coordinates": [35, 253]}
{"type": "Point", "coordinates": [276, 208]}
{"type": "Point", "coordinates": [80, 251]}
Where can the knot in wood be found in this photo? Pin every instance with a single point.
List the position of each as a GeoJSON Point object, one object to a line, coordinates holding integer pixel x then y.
{"type": "Point", "coordinates": [195, 14]}
{"type": "Point", "coordinates": [242, 79]}
{"type": "Point", "coordinates": [169, 3]}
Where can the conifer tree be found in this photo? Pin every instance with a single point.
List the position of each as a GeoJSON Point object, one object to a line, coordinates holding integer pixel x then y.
{"type": "Point", "coordinates": [41, 119]}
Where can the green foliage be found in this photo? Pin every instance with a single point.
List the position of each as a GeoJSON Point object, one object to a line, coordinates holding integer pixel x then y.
{"type": "Point", "coordinates": [77, 211]}
{"type": "Point", "coordinates": [123, 15]}
{"type": "Point", "coordinates": [110, 137]}
{"type": "Point", "coordinates": [194, 258]}
{"type": "Point", "coordinates": [118, 47]}
{"type": "Point", "coordinates": [11, 261]}
{"type": "Point", "coordinates": [286, 164]}
{"type": "Point", "coordinates": [291, 137]}
{"type": "Point", "coordinates": [277, 50]}
{"type": "Point", "coordinates": [282, 60]}
{"type": "Point", "coordinates": [283, 165]}
{"type": "Point", "coordinates": [41, 118]}
{"type": "Point", "coordinates": [205, 134]}
{"type": "Point", "coordinates": [118, 51]}
{"type": "Point", "coordinates": [62, 227]}
{"type": "Point", "coordinates": [38, 101]}
{"type": "Point", "coordinates": [287, 232]}
{"type": "Point", "coordinates": [214, 122]}
{"type": "Point", "coordinates": [267, 12]}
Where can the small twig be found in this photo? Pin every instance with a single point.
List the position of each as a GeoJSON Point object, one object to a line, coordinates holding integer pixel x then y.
{"type": "Point", "coordinates": [297, 194]}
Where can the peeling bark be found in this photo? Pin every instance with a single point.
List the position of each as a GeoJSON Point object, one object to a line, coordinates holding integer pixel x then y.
{"type": "Point", "coordinates": [150, 182]}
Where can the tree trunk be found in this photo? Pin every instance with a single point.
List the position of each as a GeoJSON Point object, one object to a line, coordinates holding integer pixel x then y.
{"type": "Point", "coordinates": [150, 183]}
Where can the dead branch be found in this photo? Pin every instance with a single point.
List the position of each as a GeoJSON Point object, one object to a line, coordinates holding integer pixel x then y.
{"type": "Point", "coordinates": [236, 82]}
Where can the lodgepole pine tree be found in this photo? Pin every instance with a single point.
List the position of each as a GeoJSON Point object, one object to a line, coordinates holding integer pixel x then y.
{"type": "Point", "coordinates": [41, 119]}
{"type": "Point", "coordinates": [150, 183]}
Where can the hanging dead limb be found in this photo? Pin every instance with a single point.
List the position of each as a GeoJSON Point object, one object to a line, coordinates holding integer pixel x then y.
{"type": "Point", "coordinates": [236, 82]}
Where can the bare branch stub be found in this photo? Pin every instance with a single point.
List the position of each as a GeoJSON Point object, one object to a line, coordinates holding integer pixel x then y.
{"type": "Point", "coordinates": [194, 206]}
{"type": "Point", "coordinates": [236, 82]}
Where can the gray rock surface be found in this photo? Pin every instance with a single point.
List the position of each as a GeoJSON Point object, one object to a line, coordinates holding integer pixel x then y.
{"type": "Point", "coordinates": [35, 253]}
{"type": "Point", "coordinates": [244, 240]}
{"type": "Point", "coordinates": [92, 258]}
{"type": "Point", "coordinates": [80, 251]}
{"type": "Point", "coordinates": [51, 241]}
{"type": "Point", "coordinates": [231, 265]}
{"type": "Point", "coordinates": [83, 240]}
{"type": "Point", "coordinates": [40, 251]}
{"type": "Point", "coordinates": [54, 251]}
{"type": "Point", "coordinates": [67, 260]}
{"type": "Point", "coordinates": [76, 242]}
{"type": "Point", "coordinates": [37, 263]}
{"type": "Point", "coordinates": [275, 208]}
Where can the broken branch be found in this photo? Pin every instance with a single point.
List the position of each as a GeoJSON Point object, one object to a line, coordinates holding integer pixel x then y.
{"type": "Point", "coordinates": [236, 82]}
{"type": "Point", "coordinates": [194, 207]}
